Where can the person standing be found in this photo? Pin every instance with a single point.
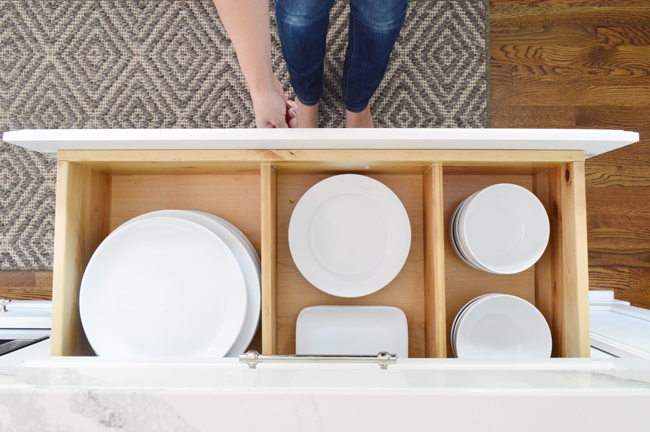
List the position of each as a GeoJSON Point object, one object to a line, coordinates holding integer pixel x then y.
{"type": "Point", "coordinates": [302, 25]}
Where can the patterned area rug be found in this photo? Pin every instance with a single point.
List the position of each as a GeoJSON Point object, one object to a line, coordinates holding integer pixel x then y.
{"type": "Point", "coordinates": [170, 64]}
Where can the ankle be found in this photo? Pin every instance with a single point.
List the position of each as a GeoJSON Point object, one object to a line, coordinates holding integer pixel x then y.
{"type": "Point", "coordinates": [361, 119]}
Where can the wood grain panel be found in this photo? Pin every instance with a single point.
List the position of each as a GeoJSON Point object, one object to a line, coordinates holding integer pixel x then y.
{"type": "Point", "coordinates": [82, 222]}
{"type": "Point", "coordinates": [544, 35]}
{"type": "Point", "coordinates": [406, 291]}
{"type": "Point", "coordinates": [506, 116]}
{"type": "Point", "coordinates": [639, 289]}
{"type": "Point", "coordinates": [464, 283]}
{"type": "Point", "coordinates": [12, 279]}
{"type": "Point", "coordinates": [434, 263]}
{"type": "Point", "coordinates": [574, 3]}
{"type": "Point", "coordinates": [404, 161]}
{"type": "Point", "coordinates": [613, 176]}
{"type": "Point", "coordinates": [571, 94]}
{"type": "Point", "coordinates": [26, 293]}
{"type": "Point", "coordinates": [605, 16]}
{"type": "Point", "coordinates": [571, 275]}
{"type": "Point", "coordinates": [233, 197]}
{"type": "Point", "coordinates": [596, 60]}
{"type": "Point", "coordinates": [523, 58]}
{"type": "Point", "coordinates": [608, 278]}
{"type": "Point", "coordinates": [607, 115]}
{"type": "Point", "coordinates": [269, 260]}
{"type": "Point", "coordinates": [624, 35]}
{"type": "Point", "coordinates": [500, 73]}
{"type": "Point", "coordinates": [546, 267]}
{"type": "Point", "coordinates": [43, 279]}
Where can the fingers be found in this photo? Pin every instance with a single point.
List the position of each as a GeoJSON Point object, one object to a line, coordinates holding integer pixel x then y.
{"type": "Point", "coordinates": [292, 114]}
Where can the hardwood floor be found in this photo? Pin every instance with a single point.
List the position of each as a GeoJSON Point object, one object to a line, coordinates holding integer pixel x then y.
{"type": "Point", "coordinates": [563, 64]}
{"type": "Point", "coordinates": [586, 64]}
{"type": "Point", "coordinates": [26, 285]}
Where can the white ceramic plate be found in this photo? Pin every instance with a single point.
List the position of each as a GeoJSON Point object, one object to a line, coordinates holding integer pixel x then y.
{"type": "Point", "coordinates": [453, 235]}
{"type": "Point", "coordinates": [458, 318]}
{"type": "Point", "coordinates": [349, 235]}
{"type": "Point", "coordinates": [246, 256]}
{"type": "Point", "coordinates": [502, 326]}
{"type": "Point", "coordinates": [503, 228]}
{"type": "Point", "coordinates": [352, 330]}
{"type": "Point", "coordinates": [459, 246]}
{"type": "Point", "coordinates": [162, 287]}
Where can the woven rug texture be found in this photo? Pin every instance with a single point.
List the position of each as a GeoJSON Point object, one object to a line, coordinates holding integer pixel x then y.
{"type": "Point", "coordinates": [170, 64]}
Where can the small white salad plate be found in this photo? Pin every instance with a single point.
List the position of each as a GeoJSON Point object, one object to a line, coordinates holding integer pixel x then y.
{"type": "Point", "coordinates": [459, 315]}
{"type": "Point", "coordinates": [352, 330]}
{"type": "Point", "coordinates": [502, 229]}
{"type": "Point", "coordinates": [501, 326]}
{"type": "Point", "coordinates": [349, 235]}
{"type": "Point", "coordinates": [163, 287]}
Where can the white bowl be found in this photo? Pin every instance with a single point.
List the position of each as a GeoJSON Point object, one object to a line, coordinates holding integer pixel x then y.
{"type": "Point", "coordinates": [503, 228]}
{"type": "Point", "coordinates": [502, 326]}
{"type": "Point", "coordinates": [455, 234]}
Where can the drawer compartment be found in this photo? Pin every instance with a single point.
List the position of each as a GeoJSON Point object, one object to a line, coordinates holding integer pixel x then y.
{"type": "Point", "coordinates": [258, 190]}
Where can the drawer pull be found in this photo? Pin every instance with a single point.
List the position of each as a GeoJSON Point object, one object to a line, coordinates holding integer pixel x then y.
{"type": "Point", "coordinates": [3, 304]}
{"type": "Point", "coordinates": [252, 358]}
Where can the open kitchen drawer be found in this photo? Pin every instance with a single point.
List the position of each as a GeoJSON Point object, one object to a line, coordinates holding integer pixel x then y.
{"type": "Point", "coordinates": [257, 190]}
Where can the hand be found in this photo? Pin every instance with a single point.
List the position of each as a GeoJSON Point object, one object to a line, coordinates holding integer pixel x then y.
{"type": "Point", "coordinates": [272, 109]}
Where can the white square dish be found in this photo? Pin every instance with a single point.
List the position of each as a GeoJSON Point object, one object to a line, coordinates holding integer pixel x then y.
{"type": "Point", "coordinates": [352, 330]}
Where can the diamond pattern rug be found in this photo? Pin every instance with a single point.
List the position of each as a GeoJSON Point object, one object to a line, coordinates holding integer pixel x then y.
{"type": "Point", "coordinates": [170, 64]}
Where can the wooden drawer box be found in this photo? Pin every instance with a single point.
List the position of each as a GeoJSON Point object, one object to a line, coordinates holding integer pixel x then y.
{"type": "Point", "coordinates": [257, 191]}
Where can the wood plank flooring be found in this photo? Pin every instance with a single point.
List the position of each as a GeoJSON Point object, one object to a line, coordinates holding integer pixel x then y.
{"type": "Point", "coordinates": [586, 64]}
{"type": "Point", "coordinates": [562, 64]}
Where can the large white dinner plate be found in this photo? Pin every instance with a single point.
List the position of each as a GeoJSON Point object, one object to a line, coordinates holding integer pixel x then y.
{"type": "Point", "coordinates": [162, 287]}
{"type": "Point", "coordinates": [503, 228]}
{"type": "Point", "coordinates": [349, 235]}
{"type": "Point", "coordinates": [502, 326]}
{"type": "Point", "coordinates": [352, 330]}
{"type": "Point", "coordinates": [246, 256]}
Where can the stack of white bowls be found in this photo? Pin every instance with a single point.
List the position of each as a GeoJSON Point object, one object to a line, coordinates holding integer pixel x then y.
{"type": "Point", "coordinates": [500, 326]}
{"type": "Point", "coordinates": [172, 283]}
{"type": "Point", "coordinates": [502, 229]}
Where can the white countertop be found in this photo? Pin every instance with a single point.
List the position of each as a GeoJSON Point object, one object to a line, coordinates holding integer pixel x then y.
{"type": "Point", "coordinates": [592, 142]}
{"type": "Point", "coordinates": [94, 394]}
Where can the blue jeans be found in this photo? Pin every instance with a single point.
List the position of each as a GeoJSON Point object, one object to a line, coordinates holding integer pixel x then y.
{"type": "Point", "coordinates": [374, 27]}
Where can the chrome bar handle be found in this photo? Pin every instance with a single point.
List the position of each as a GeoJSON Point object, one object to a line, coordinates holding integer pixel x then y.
{"type": "Point", "coordinates": [252, 358]}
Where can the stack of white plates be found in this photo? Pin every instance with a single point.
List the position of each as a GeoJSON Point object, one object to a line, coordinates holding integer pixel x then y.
{"type": "Point", "coordinates": [501, 229]}
{"type": "Point", "coordinates": [172, 283]}
{"type": "Point", "coordinates": [500, 326]}
{"type": "Point", "coordinates": [349, 235]}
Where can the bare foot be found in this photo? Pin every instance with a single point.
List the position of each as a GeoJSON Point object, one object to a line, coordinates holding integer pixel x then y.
{"type": "Point", "coordinates": [308, 115]}
{"type": "Point", "coordinates": [361, 119]}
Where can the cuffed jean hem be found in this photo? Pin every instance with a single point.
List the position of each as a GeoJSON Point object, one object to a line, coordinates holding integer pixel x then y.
{"type": "Point", "coordinates": [307, 103]}
{"type": "Point", "coordinates": [356, 110]}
